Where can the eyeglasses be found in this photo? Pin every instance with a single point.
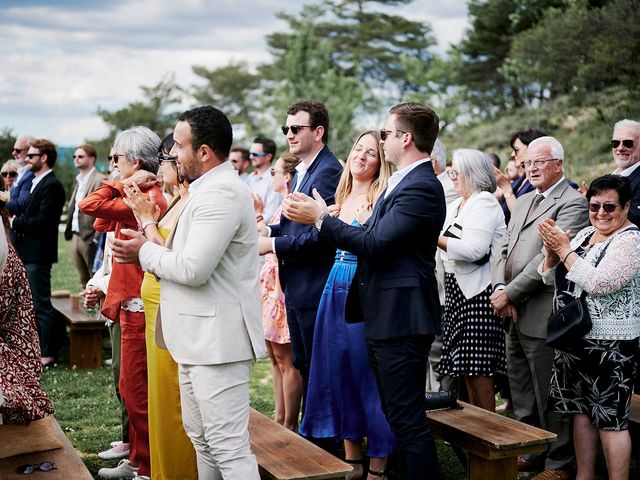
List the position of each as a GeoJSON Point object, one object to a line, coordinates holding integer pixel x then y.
{"type": "Point", "coordinates": [79, 156]}
{"type": "Point", "coordinates": [536, 163]}
{"type": "Point", "coordinates": [114, 158]}
{"type": "Point", "coordinates": [31, 155]}
{"type": "Point", "coordinates": [43, 467]}
{"type": "Point", "coordinates": [18, 150]}
{"type": "Point", "coordinates": [626, 143]}
{"type": "Point", "coordinates": [294, 128]}
{"type": "Point", "coordinates": [274, 171]}
{"type": "Point", "coordinates": [384, 133]}
{"type": "Point", "coordinates": [9, 174]}
{"type": "Point", "coordinates": [607, 207]}
{"type": "Point", "coordinates": [262, 154]}
{"type": "Point", "coordinates": [166, 158]}
{"type": "Point", "coordinates": [453, 174]}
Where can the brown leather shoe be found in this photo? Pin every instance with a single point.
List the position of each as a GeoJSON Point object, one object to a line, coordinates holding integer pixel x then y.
{"type": "Point", "coordinates": [562, 474]}
{"type": "Point", "coordinates": [525, 465]}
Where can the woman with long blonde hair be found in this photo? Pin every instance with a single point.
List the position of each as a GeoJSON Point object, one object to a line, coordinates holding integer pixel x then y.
{"type": "Point", "coordinates": [342, 399]}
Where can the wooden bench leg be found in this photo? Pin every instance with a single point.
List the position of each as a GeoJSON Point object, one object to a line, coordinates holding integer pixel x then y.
{"type": "Point", "coordinates": [85, 348]}
{"type": "Point", "coordinates": [498, 469]}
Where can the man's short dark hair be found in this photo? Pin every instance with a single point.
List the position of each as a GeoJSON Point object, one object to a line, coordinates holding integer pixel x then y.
{"type": "Point", "coordinates": [526, 136]}
{"type": "Point", "coordinates": [47, 148]}
{"type": "Point", "coordinates": [209, 126]}
{"type": "Point", "coordinates": [268, 145]}
{"type": "Point", "coordinates": [243, 151]}
{"type": "Point", "coordinates": [318, 114]}
{"type": "Point", "coordinates": [420, 121]}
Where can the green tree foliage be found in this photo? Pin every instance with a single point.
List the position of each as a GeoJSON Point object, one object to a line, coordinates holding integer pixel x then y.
{"type": "Point", "coordinates": [7, 141]}
{"type": "Point", "coordinates": [154, 111]}
{"type": "Point", "coordinates": [365, 42]}
{"type": "Point", "coordinates": [231, 88]}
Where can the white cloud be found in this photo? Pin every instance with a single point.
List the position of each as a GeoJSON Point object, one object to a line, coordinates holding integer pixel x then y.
{"type": "Point", "coordinates": [62, 60]}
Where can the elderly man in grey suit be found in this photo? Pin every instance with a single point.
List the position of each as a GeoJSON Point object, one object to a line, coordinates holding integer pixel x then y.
{"type": "Point", "coordinates": [520, 294]}
{"type": "Point", "coordinates": [209, 316]}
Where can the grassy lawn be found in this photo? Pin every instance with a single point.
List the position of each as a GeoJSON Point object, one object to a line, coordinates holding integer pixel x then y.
{"type": "Point", "coordinates": [87, 411]}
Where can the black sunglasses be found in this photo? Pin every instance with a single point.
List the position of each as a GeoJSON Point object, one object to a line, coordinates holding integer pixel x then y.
{"type": "Point", "coordinates": [114, 157]}
{"type": "Point", "coordinates": [294, 128]}
{"type": "Point", "coordinates": [18, 150]}
{"type": "Point", "coordinates": [626, 143]}
{"type": "Point", "coordinates": [384, 133]}
{"type": "Point", "coordinates": [9, 174]}
{"type": "Point", "coordinates": [43, 467]}
{"type": "Point", "coordinates": [31, 155]}
{"type": "Point", "coordinates": [607, 207]}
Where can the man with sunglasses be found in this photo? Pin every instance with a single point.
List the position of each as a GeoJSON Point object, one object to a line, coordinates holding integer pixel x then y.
{"type": "Point", "coordinates": [262, 153]}
{"type": "Point", "coordinates": [36, 239]}
{"type": "Point", "coordinates": [625, 148]}
{"type": "Point", "coordinates": [21, 188]}
{"type": "Point", "coordinates": [520, 295]}
{"type": "Point", "coordinates": [79, 228]}
{"type": "Point", "coordinates": [304, 262]}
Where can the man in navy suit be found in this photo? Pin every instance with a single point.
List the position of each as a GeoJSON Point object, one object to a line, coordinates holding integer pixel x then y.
{"type": "Point", "coordinates": [36, 242]}
{"type": "Point", "coordinates": [304, 263]}
{"type": "Point", "coordinates": [625, 148]}
{"type": "Point", "coordinates": [21, 188]}
{"type": "Point", "coordinates": [394, 290]}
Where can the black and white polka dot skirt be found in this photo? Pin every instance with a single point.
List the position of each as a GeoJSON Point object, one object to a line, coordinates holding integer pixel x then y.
{"type": "Point", "coordinates": [472, 336]}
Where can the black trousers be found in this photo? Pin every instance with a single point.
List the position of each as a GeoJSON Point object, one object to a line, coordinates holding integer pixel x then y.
{"type": "Point", "coordinates": [400, 369]}
{"type": "Point", "coordinates": [301, 326]}
{"type": "Point", "coordinates": [39, 276]}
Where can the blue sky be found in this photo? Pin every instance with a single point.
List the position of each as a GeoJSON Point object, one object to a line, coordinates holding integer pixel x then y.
{"type": "Point", "coordinates": [63, 59]}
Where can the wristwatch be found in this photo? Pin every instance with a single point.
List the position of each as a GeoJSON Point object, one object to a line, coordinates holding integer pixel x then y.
{"type": "Point", "coordinates": [507, 194]}
{"type": "Point", "coordinates": [320, 219]}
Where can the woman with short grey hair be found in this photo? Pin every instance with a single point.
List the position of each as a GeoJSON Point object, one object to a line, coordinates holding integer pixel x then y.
{"type": "Point", "coordinates": [472, 337]}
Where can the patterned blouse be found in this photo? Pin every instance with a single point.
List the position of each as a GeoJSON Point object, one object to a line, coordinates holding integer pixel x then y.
{"type": "Point", "coordinates": [613, 287]}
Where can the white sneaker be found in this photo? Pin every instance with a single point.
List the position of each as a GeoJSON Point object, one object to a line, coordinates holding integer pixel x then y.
{"type": "Point", "coordinates": [123, 470]}
{"type": "Point", "coordinates": [141, 477]}
{"type": "Point", "coordinates": [117, 450]}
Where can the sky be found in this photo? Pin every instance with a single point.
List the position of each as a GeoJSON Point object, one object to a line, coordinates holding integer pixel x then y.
{"type": "Point", "coordinates": [61, 60]}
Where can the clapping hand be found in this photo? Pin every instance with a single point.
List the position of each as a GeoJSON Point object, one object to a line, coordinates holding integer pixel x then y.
{"type": "Point", "coordinates": [144, 209]}
{"type": "Point", "coordinates": [301, 208]}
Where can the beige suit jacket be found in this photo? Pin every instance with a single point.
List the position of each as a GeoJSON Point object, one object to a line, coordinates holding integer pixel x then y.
{"type": "Point", "coordinates": [532, 298]}
{"type": "Point", "coordinates": [209, 284]}
{"type": "Point", "coordinates": [86, 221]}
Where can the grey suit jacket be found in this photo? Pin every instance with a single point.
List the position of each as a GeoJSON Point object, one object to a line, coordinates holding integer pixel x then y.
{"type": "Point", "coordinates": [209, 285]}
{"type": "Point", "coordinates": [86, 221]}
{"type": "Point", "coordinates": [532, 298]}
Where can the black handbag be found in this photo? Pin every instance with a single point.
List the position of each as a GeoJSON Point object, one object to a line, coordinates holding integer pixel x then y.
{"type": "Point", "coordinates": [570, 323]}
{"type": "Point", "coordinates": [439, 401]}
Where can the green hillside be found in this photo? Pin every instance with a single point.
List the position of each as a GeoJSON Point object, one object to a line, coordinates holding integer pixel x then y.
{"type": "Point", "coordinates": [583, 126]}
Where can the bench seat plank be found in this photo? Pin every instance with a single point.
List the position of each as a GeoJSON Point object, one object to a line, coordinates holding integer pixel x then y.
{"type": "Point", "coordinates": [69, 465]}
{"type": "Point", "coordinates": [285, 455]}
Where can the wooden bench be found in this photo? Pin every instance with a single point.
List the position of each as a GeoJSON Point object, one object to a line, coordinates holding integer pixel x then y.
{"type": "Point", "coordinates": [283, 454]}
{"type": "Point", "coordinates": [492, 441]}
{"type": "Point", "coordinates": [634, 414]}
{"type": "Point", "coordinates": [85, 345]}
{"type": "Point", "coordinates": [69, 465]}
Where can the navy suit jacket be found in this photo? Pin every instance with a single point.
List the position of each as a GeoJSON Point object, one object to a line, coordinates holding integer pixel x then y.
{"type": "Point", "coordinates": [304, 262]}
{"type": "Point", "coordinates": [395, 290]}
{"type": "Point", "coordinates": [37, 228]}
{"type": "Point", "coordinates": [20, 194]}
{"type": "Point", "coordinates": [634, 211]}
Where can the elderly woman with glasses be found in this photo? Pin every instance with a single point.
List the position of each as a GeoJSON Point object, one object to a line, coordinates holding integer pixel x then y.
{"type": "Point", "coordinates": [473, 344]}
{"type": "Point", "coordinates": [593, 378]}
{"type": "Point", "coordinates": [9, 173]}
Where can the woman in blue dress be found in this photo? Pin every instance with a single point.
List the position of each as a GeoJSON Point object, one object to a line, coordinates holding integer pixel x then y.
{"type": "Point", "coordinates": [343, 400]}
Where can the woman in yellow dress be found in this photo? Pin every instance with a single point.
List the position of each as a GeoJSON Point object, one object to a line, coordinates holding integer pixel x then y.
{"type": "Point", "coordinates": [172, 453]}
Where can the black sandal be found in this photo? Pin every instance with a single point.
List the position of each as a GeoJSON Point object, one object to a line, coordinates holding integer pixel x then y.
{"type": "Point", "coordinates": [357, 462]}
{"type": "Point", "coordinates": [382, 473]}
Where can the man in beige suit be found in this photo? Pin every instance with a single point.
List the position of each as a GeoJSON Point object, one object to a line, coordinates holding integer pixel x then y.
{"type": "Point", "coordinates": [79, 228]}
{"type": "Point", "coordinates": [520, 294]}
{"type": "Point", "coordinates": [209, 315]}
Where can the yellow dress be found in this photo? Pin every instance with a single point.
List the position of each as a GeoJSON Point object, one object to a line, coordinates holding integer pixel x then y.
{"type": "Point", "coordinates": [172, 453]}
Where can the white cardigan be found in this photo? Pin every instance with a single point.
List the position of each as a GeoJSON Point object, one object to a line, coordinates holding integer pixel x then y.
{"type": "Point", "coordinates": [482, 222]}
